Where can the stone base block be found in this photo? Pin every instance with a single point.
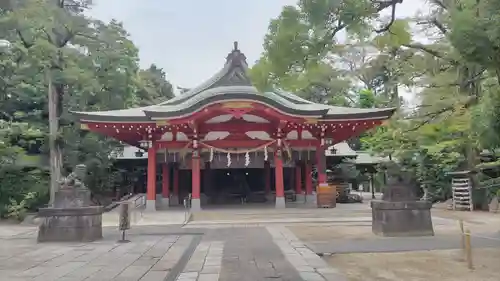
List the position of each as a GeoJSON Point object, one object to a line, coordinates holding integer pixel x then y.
{"type": "Point", "coordinates": [300, 198]}
{"type": "Point", "coordinates": [280, 203]}
{"type": "Point", "coordinates": [150, 205]}
{"type": "Point", "coordinates": [195, 205]}
{"type": "Point", "coordinates": [80, 224]}
{"type": "Point", "coordinates": [174, 200]}
{"type": "Point", "coordinates": [311, 199]}
{"type": "Point", "coordinates": [270, 197]}
{"type": "Point", "coordinates": [165, 202]}
{"type": "Point", "coordinates": [395, 219]}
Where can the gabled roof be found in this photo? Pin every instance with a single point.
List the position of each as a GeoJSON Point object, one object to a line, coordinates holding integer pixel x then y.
{"type": "Point", "coordinates": [232, 83]}
{"type": "Point", "coordinates": [342, 149]}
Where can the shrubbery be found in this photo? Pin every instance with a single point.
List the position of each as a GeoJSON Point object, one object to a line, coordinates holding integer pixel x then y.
{"type": "Point", "coordinates": [22, 190]}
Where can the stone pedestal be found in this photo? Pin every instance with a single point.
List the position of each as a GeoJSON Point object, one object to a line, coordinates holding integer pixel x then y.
{"type": "Point", "coordinates": [174, 200]}
{"type": "Point", "coordinates": [311, 199]}
{"type": "Point", "coordinates": [150, 205]}
{"type": "Point", "coordinates": [400, 213]}
{"type": "Point", "coordinates": [71, 218]}
{"type": "Point", "coordinates": [80, 224]}
{"type": "Point", "coordinates": [270, 197]}
{"type": "Point", "coordinates": [195, 205]}
{"type": "Point", "coordinates": [280, 203]}
{"type": "Point", "coordinates": [300, 198]}
{"type": "Point", "coordinates": [411, 218]}
{"type": "Point", "coordinates": [165, 202]}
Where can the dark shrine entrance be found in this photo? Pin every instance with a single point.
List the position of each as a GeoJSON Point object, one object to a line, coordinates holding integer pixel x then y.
{"type": "Point", "coordinates": [234, 185]}
{"type": "Point", "coordinates": [229, 186]}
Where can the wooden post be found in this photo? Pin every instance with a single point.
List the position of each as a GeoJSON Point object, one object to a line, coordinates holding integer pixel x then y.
{"type": "Point", "coordinates": [165, 190]}
{"type": "Point", "coordinates": [321, 164]}
{"type": "Point", "coordinates": [175, 182]}
{"type": "Point", "coordinates": [267, 178]}
{"type": "Point", "coordinates": [462, 236]}
{"type": "Point", "coordinates": [308, 178]}
{"type": "Point", "coordinates": [151, 186]}
{"type": "Point", "coordinates": [372, 189]}
{"type": "Point", "coordinates": [195, 181]}
{"type": "Point", "coordinates": [165, 184]}
{"type": "Point", "coordinates": [468, 249]}
{"type": "Point", "coordinates": [124, 221]}
{"type": "Point", "coordinates": [298, 179]}
{"type": "Point", "coordinates": [278, 171]}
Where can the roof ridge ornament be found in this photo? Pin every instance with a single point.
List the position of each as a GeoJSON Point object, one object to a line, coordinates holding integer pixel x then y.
{"type": "Point", "coordinates": [236, 57]}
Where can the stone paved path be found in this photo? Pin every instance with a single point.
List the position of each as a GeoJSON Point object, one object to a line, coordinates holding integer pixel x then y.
{"type": "Point", "coordinates": [164, 253]}
{"type": "Point", "coordinates": [306, 262]}
{"type": "Point", "coordinates": [250, 254]}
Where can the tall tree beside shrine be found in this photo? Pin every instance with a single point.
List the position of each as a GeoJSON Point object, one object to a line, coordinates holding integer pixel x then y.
{"type": "Point", "coordinates": [454, 80]}
{"type": "Point", "coordinates": [92, 65]}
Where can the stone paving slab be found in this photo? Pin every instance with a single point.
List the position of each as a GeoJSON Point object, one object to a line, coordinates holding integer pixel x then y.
{"type": "Point", "coordinates": [146, 258]}
{"type": "Point", "coordinates": [249, 254]}
{"type": "Point", "coordinates": [9, 230]}
{"type": "Point", "coordinates": [205, 263]}
{"type": "Point", "coordinates": [401, 244]}
{"type": "Point", "coordinates": [309, 265]}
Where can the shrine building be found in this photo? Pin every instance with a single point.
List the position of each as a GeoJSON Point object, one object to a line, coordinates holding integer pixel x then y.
{"type": "Point", "coordinates": [226, 139]}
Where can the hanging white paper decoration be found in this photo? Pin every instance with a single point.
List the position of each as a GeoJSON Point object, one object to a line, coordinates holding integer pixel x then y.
{"type": "Point", "coordinates": [265, 153]}
{"type": "Point", "coordinates": [211, 154]}
{"type": "Point", "coordinates": [247, 159]}
{"type": "Point", "coordinates": [228, 159]}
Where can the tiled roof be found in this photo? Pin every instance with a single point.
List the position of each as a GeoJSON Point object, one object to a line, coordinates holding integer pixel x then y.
{"type": "Point", "coordinates": [230, 83]}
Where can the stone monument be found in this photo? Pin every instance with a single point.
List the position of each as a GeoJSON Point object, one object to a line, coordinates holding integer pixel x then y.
{"type": "Point", "coordinates": [400, 213]}
{"type": "Point", "coordinates": [71, 218]}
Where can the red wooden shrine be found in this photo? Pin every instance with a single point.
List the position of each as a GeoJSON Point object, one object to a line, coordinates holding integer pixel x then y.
{"type": "Point", "coordinates": [227, 115]}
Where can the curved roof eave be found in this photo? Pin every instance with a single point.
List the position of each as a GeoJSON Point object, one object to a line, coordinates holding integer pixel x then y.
{"type": "Point", "coordinates": [336, 112]}
{"type": "Point", "coordinates": [132, 115]}
{"type": "Point", "coordinates": [232, 83]}
{"type": "Point", "coordinates": [229, 93]}
{"type": "Point", "coordinates": [292, 97]}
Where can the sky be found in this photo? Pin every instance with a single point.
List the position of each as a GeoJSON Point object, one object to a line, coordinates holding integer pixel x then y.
{"type": "Point", "coordinates": [190, 39]}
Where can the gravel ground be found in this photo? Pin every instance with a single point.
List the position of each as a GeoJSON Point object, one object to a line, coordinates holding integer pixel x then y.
{"type": "Point", "coordinates": [442, 265]}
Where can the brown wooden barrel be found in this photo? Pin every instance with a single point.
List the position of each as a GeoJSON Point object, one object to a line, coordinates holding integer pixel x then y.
{"type": "Point", "coordinates": [326, 196]}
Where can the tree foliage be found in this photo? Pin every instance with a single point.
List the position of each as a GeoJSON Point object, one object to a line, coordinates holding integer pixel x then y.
{"type": "Point", "coordinates": [92, 65]}
{"type": "Point", "coordinates": [370, 60]}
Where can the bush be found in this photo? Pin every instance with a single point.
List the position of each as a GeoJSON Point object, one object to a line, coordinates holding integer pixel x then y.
{"type": "Point", "coordinates": [22, 191]}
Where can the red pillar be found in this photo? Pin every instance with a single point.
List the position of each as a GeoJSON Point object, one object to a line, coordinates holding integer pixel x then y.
{"type": "Point", "coordinates": [321, 164]}
{"type": "Point", "coordinates": [165, 187]}
{"type": "Point", "coordinates": [308, 178]}
{"type": "Point", "coordinates": [195, 183]}
{"type": "Point", "coordinates": [267, 177]}
{"type": "Point", "coordinates": [280, 189]}
{"type": "Point", "coordinates": [151, 185]}
{"type": "Point", "coordinates": [298, 178]}
{"type": "Point", "coordinates": [175, 188]}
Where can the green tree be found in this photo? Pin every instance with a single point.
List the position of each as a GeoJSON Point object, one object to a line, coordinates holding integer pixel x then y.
{"type": "Point", "coordinates": [92, 65]}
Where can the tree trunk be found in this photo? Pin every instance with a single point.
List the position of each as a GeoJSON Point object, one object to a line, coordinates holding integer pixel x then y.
{"type": "Point", "coordinates": [54, 147]}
